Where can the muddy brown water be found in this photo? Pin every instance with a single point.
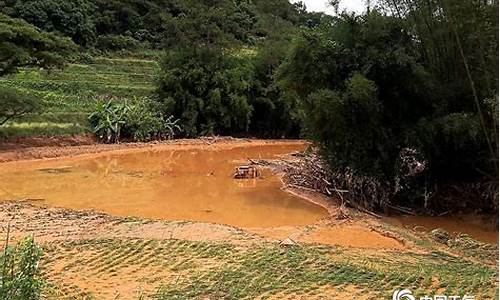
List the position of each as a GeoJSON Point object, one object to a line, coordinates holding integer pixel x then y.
{"type": "Point", "coordinates": [472, 225]}
{"type": "Point", "coordinates": [192, 183]}
{"type": "Point", "coordinates": [186, 184]}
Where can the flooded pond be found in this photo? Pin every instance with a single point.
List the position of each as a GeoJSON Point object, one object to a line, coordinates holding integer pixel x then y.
{"type": "Point", "coordinates": [187, 183]}
{"type": "Point", "coordinates": [191, 184]}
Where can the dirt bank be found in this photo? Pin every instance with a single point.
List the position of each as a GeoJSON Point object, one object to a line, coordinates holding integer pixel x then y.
{"type": "Point", "coordinates": [91, 253]}
{"type": "Point", "coordinates": [55, 147]}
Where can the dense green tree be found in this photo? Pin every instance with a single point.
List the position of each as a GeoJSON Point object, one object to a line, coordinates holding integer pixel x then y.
{"type": "Point", "coordinates": [22, 44]}
{"type": "Point", "coordinates": [71, 18]}
{"type": "Point", "coordinates": [325, 62]}
{"type": "Point", "coordinates": [207, 90]}
{"type": "Point", "coordinates": [14, 104]}
{"type": "Point", "coordinates": [273, 113]}
{"type": "Point", "coordinates": [458, 42]}
{"type": "Point", "coordinates": [373, 86]}
{"type": "Point", "coordinates": [160, 23]}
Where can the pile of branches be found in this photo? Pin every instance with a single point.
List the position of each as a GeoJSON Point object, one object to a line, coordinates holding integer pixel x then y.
{"type": "Point", "coordinates": [311, 172]}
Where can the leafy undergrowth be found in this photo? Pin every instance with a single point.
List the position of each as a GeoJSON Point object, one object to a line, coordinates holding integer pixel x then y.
{"type": "Point", "coordinates": [177, 269]}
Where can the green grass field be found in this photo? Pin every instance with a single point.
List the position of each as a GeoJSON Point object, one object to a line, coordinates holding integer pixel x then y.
{"type": "Point", "coordinates": [69, 95]}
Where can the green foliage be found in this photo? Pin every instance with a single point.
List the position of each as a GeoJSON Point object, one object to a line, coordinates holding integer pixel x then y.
{"type": "Point", "coordinates": [22, 44]}
{"type": "Point", "coordinates": [455, 143]}
{"type": "Point", "coordinates": [14, 104]}
{"type": "Point", "coordinates": [145, 122]}
{"type": "Point", "coordinates": [217, 91]}
{"type": "Point", "coordinates": [73, 19]}
{"type": "Point", "coordinates": [359, 84]}
{"type": "Point", "coordinates": [459, 45]}
{"type": "Point", "coordinates": [117, 42]}
{"type": "Point", "coordinates": [45, 129]}
{"type": "Point", "coordinates": [207, 89]}
{"type": "Point", "coordinates": [354, 137]}
{"type": "Point", "coordinates": [139, 120]}
{"type": "Point", "coordinates": [274, 113]}
{"type": "Point", "coordinates": [108, 119]}
{"type": "Point", "coordinates": [374, 85]}
{"type": "Point", "coordinates": [158, 23]}
{"type": "Point", "coordinates": [20, 277]}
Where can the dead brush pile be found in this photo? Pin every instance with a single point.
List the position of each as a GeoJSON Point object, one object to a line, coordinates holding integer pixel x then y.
{"type": "Point", "coordinates": [311, 172]}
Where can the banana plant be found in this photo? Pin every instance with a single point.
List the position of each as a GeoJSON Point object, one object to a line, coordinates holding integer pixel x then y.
{"type": "Point", "coordinates": [171, 126]}
{"type": "Point", "coordinates": [108, 119]}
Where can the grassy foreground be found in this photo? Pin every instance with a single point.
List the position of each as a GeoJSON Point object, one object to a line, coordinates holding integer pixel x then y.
{"type": "Point", "coordinates": [90, 255]}
{"type": "Point", "coordinates": [200, 270]}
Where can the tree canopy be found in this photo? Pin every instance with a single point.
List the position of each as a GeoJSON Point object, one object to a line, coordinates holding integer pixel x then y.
{"type": "Point", "coordinates": [158, 23]}
{"type": "Point", "coordinates": [423, 78]}
{"type": "Point", "coordinates": [22, 44]}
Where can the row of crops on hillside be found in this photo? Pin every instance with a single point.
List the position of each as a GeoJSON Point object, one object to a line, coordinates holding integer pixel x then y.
{"type": "Point", "coordinates": [68, 96]}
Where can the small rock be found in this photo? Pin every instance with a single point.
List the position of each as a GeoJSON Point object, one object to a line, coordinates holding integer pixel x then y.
{"type": "Point", "coordinates": [440, 235]}
{"type": "Point", "coordinates": [288, 242]}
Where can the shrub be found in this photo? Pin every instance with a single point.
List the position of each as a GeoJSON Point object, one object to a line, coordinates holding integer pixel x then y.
{"type": "Point", "coordinates": [14, 103]}
{"type": "Point", "coordinates": [117, 42]}
{"type": "Point", "coordinates": [107, 120]}
{"type": "Point", "coordinates": [145, 122]}
{"type": "Point", "coordinates": [20, 278]}
{"type": "Point", "coordinates": [140, 120]}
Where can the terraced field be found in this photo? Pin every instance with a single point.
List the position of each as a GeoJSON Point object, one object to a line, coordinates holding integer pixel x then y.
{"type": "Point", "coordinates": [68, 95]}
{"type": "Point", "coordinates": [199, 270]}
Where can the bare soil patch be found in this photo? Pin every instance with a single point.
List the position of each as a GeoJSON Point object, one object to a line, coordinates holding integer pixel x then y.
{"type": "Point", "coordinates": [48, 224]}
{"type": "Point", "coordinates": [91, 253]}
{"type": "Point", "coordinates": [54, 147]}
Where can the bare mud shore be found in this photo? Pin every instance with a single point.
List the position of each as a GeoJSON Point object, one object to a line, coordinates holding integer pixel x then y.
{"type": "Point", "coordinates": [91, 255]}
{"type": "Point", "coordinates": [57, 147]}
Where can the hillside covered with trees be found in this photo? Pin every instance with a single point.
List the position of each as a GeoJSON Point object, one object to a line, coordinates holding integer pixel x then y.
{"type": "Point", "coordinates": [402, 101]}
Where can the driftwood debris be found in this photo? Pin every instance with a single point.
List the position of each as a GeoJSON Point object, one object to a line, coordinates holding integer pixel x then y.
{"type": "Point", "coordinates": [288, 242]}
{"type": "Point", "coordinates": [403, 210]}
{"type": "Point", "coordinates": [307, 172]}
{"type": "Point", "coordinates": [311, 173]}
{"type": "Point", "coordinates": [246, 172]}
